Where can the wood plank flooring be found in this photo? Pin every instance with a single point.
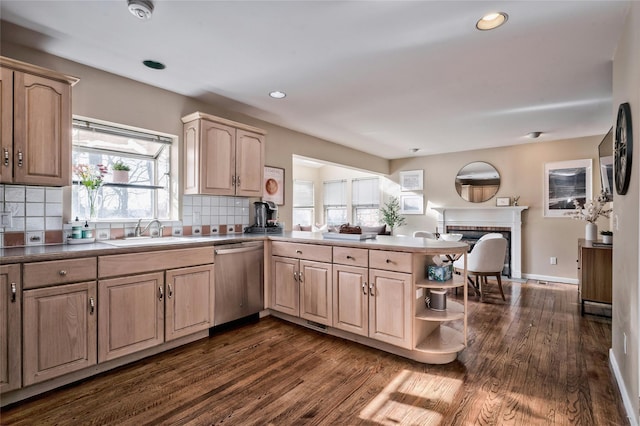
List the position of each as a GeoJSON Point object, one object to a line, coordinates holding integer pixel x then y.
{"type": "Point", "coordinates": [531, 360]}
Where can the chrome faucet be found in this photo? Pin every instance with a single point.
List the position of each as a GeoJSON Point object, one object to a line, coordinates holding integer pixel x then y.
{"type": "Point", "coordinates": [139, 231]}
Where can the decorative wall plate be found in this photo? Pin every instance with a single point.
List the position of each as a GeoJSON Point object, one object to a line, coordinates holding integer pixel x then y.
{"type": "Point", "coordinates": [623, 149]}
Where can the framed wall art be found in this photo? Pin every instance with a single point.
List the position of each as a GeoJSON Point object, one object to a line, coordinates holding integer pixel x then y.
{"type": "Point", "coordinates": [411, 180]}
{"type": "Point", "coordinates": [411, 204]}
{"type": "Point", "coordinates": [273, 185]}
{"type": "Point", "coordinates": [503, 201]}
{"type": "Point", "coordinates": [564, 182]}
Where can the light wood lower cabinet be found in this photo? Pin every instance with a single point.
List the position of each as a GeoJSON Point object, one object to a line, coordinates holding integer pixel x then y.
{"type": "Point", "coordinates": [59, 330]}
{"type": "Point", "coordinates": [131, 314]}
{"type": "Point", "coordinates": [351, 299]}
{"type": "Point", "coordinates": [10, 332]}
{"type": "Point", "coordinates": [390, 307]}
{"type": "Point", "coordinates": [302, 288]}
{"type": "Point", "coordinates": [189, 301]}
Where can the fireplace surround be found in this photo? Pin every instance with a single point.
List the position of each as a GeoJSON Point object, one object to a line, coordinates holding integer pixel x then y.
{"type": "Point", "coordinates": [488, 219]}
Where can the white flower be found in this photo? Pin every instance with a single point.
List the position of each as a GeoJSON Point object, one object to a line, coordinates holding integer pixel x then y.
{"type": "Point", "coordinates": [591, 210]}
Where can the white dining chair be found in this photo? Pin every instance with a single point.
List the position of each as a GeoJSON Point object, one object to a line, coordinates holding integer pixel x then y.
{"type": "Point", "coordinates": [486, 259]}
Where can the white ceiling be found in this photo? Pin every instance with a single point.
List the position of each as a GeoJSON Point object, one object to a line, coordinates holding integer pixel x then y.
{"type": "Point", "coordinates": [379, 76]}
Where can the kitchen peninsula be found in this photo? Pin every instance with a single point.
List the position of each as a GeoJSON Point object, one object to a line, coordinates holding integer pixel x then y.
{"type": "Point", "coordinates": [371, 291]}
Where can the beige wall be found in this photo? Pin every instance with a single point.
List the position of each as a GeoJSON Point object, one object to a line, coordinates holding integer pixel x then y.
{"type": "Point", "coordinates": [521, 169]}
{"type": "Point", "coordinates": [626, 88]}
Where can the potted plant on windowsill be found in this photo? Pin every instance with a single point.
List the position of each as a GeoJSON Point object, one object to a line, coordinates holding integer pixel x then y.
{"type": "Point", "coordinates": [120, 172]}
{"type": "Point", "coordinates": [607, 237]}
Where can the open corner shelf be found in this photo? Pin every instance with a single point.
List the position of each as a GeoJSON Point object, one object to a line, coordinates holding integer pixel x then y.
{"type": "Point", "coordinates": [454, 311]}
{"type": "Point", "coordinates": [443, 340]}
{"type": "Point", "coordinates": [455, 281]}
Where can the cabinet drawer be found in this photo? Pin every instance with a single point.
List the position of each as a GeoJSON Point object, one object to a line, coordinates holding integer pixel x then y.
{"type": "Point", "coordinates": [350, 256]}
{"type": "Point", "coordinates": [42, 274]}
{"type": "Point", "coordinates": [301, 251]}
{"type": "Point", "coordinates": [390, 260]}
{"type": "Point", "coordinates": [135, 263]}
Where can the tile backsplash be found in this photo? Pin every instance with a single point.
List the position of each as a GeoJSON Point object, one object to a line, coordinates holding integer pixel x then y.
{"type": "Point", "coordinates": [37, 217]}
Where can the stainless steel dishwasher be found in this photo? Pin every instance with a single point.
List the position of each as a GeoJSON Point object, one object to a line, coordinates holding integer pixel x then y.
{"type": "Point", "coordinates": [239, 281]}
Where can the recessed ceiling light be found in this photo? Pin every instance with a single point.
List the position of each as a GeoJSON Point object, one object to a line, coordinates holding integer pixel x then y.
{"type": "Point", "coordinates": [491, 21]}
{"type": "Point", "coordinates": [534, 135]}
{"type": "Point", "coordinates": [154, 64]}
{"type": "Point", "coordinates": [277, 94]}
{"type": "Point", "coordinates": [141, 9]}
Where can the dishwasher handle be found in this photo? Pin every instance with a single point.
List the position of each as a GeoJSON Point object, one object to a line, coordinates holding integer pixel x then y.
{"type": "Point", "coordinates": [239, 249]}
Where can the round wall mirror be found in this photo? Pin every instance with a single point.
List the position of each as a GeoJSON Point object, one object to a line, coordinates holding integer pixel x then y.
{"type": "Point", "coordinates": [477, 182]}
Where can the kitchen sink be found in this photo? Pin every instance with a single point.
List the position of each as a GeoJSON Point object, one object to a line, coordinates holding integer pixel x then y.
{"type": "Point", "coordinates": [147, 241]}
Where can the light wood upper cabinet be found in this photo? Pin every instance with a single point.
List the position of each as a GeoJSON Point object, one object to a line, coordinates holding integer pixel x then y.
{"type": "Point", "coordinates": [10, 323]}
{"type": "Point", "coordinates": [39, 151]}
{"type": "Point", "coordinates": [189, 301]}
{"type": "Point", "coordinates": [222, 157]}
{"type": "Point", "coordinates": [59, 330]}
{"type": "Point", "coordinates": [131, 314]}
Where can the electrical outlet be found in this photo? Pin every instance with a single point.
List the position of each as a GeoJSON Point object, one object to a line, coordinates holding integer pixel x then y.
{"type": "Point", "coordinates": [553, 260]}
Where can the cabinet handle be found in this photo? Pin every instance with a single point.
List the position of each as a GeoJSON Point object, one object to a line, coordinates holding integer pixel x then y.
{"type": "Point", "coordinates": [161, 293]}
{"type": "Point", "coordinates": [14, 292]}
{"type": "Point", "coordinates": [233, 180]}
{"type": "Point", "coordinates": [350, 257]}
{"type": "Point", "coordinates": [6, 157]}
{"type": "Point", "coordinates": [92, 306]}
{"type": "Point", "coordinates": [301, 277]}
{"type": "Point", "coordinates": [62, 272]}
{"type": "Point", "coordinates": [295, 276]}
{"type": "Point", "coordinates": [298, 251]}
{"type": "Point", "coordinates": [371, 289]}
{"type": "Point", "coordinates": [170, 292]}
{"type": "Point", "coordinates": [20, 158]}
{"type": "Point", "coordinates": [238, 181]}
{"type": "Point", "coordinates": [364, 288]}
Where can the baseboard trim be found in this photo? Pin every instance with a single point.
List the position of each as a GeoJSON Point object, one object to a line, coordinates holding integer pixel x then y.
{"type": "Point", "coordinates": [548, 278]}
{"type": "Point", "coordinates": [633, 421]}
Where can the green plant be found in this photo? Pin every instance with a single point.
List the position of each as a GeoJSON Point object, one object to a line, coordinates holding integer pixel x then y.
{"type": "Point", "coordinates": [119, 165]}
{"type": "Point", "coordinates": [606, 233]}
{"type": "Point", "coordinates": [391, 213]}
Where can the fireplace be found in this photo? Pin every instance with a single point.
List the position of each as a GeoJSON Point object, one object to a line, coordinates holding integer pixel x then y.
{"type": "Point", "coordinates": [471, 235]}
{"type": "Point", "coordinates": [482, 220]}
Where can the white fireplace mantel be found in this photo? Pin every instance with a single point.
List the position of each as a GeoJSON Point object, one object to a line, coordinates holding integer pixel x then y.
{"type": "Point", "coordinates": [503, 217]}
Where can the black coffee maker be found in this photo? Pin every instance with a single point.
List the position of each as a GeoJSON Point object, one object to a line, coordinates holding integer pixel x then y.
{"type": "Point", "coordinates": [266, 219]}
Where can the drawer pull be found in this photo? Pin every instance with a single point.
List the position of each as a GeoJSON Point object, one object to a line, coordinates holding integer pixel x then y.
{"type": "Point", "coordinates": [298, 251]}
{"type": "Point", "coordinates": [170, 292]}
{"type": "Point", "coordinates": [92, 306]}
{"type": "Point", "coordinates": [388, 261]}
{"type": "Point", "coordinates": [364, 288]}
{"type": "Point", "coordinates": [371, 289]}
{"type": "Point", "coordinates": [62, 272]}
{"type": "Point", "coordinates": [14, 292]}
{"type": "Point", "coordinates": [160, 293]}
{"type": "Point", "coordinates": [351, 257]}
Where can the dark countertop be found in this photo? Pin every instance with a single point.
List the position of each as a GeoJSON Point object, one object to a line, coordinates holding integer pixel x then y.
{"type": "Point", "coordinates": [381, 242]}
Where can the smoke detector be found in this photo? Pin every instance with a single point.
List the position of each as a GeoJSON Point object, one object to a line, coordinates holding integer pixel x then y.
{"type": "Point", "coordinates": [141, 9]}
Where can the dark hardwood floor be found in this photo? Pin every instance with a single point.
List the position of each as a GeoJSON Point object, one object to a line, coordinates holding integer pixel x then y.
{"type": "Point", "coordinates": [531, 360]}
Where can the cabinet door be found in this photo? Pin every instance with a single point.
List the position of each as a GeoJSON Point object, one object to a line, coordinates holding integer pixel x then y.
{"type": "Point", "coordinates": [190, 301]}
{"type": "Point", "coordinates": [284, 285]}
{"type": "Point", "coordinates": [249, 163]}
{"type": "Point", "coordinates": [10, 297]}
{"type": "Point", "coordinates": [6, 117]}
{"type": "Point", "coordinates": [596, 274]}
{"type": "Point", "coordinates": [42, 131]}
{"type": "Point", "coordinates": [217, 159]}
{"type": "Point", "coordinates": [390, 307]}
{"type": "Point", "coordinates": [351, 299]}
{"type": "Point", "coordinates": [59, 330]}
{"type": "Point", "coordinates": [316, 290]}
{"type": "Point", "coordinates": [131, 314]}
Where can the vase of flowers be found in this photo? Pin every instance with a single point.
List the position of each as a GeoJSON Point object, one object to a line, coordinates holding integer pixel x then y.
{"type": "Point", "coordinates": [92, 178]}
{"type": "Point", "coordinates": [591, 212]}
{"type": "Point", "coordinates": [120, 172]}
{"type": "Point", "coordinates": [391, 214]}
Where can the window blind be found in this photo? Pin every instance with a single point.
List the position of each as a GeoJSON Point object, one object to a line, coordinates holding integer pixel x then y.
{"type": "Point", "coordinates": [335, 193]}
{"type": "Point", "coordinates": [365, 192]}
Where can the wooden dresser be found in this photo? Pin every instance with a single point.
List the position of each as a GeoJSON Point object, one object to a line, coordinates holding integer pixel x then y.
{"type": "Point", "coordinates": [594, 273]}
